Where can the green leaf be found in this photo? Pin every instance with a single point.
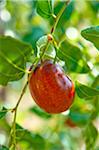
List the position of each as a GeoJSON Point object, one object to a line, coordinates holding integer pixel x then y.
{"type": "Point", "coordinates": [41, 43]}
{"type": "Point", "coordinates": [94, 5]}
{"type": "Point", "coordinates": [33, 35]}
{"type": "Point", "coordinates": [80, 118]}
{"type": "Point", "coordinates": [44, 8]}
{"type": "Point", "coordinates": [13, 57]}
{"type": "Point", "coordinates": [95, 113]}
{"type": "Point", "coordinates": [3, 147]}
{"type": "Point", "coordinates": [35, 140]}
{"type": "Point", "coordinates": [86, 92]}
{"type": "Point", "coordinates": [97, 148]}
{"type": "Point", "coordinates": [40, 112]}
{"type": "Point", "coordinates": [19, 127]}
{"type": "Point", "coordinates": [3, 112]}
{"type": "Point", "coordinates": [90, 135]}
{"type": "Point", "coordinates": [96, 82]}
{"type": "Point", "coordinates": [55, 146]}
{"type": "Point", "coordinates": [73, 57]}
{"type": "Point", "coordinates": [66, 14]}
{"type": "Point", "coordinates": [92, 34]}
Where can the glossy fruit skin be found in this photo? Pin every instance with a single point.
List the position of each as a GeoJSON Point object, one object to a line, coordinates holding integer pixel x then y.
{"type": "Point", "coordinates": [50, 88]}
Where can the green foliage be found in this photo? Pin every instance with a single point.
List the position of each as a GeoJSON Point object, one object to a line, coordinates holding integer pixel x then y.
{"type": "Point", "coordinates": [67, 13]}
{"type": "Point", "coordinates": [95, 113]}
{"type": "Point", "coordinates": [40, 44]}
{"type": "Point", "coordinates": [3, 112]}
{"type": "Point", "coordinates": [35, 140]}
{"type": "Point", "coordinates": [94, 5]}
{"type": "Point", "coordinates": [40, 112]}
{"type": "Point", "coordinates": [72, 56]}
{"type": "Point", "coordinates": [91, 134]}
{"type": "Point", "coordinates": [79, 118]}
{"type": "Point", "coordinates": [13, 57]}
{"type": "Point", "coordinates": [86, 92]}
{"type": "Point", "coordinates": [92, 34]}
{"type": "Point", "coordinates": [33, 36]}
{"type": "Point", "coordinates": [3, 148]}
{"type": "Point", "coordinates": [95, 84]}
{"type": "Point", "coordinates": [44, 8]}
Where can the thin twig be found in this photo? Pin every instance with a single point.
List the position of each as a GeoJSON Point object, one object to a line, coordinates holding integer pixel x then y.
{"type": "Point", "coordinates": [59, 15]}
{"type": "Point", "coordinates": [12, 142]}
{"type": "Point", "coordinates": [13, 129]}
{"type": "Point", "coordinates": [32, 68]}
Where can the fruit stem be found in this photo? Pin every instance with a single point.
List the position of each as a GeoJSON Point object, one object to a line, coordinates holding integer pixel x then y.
{"type": "Point", "coordinates": [12, 143]}
{"type": "Point", "coordinates": [56, 50]}
{"type": "Point", "coordinates": [59, 15]}
{"type": "Point", "coordinates": [13, 129]}
{"type": "Point", "coordinates": [45, 48]}
{"type": "Point", "coordinates": [55, 56]}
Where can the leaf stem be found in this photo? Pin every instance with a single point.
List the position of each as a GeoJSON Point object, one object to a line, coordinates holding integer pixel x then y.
{"type": "Point", "coordinates": [59, 15]}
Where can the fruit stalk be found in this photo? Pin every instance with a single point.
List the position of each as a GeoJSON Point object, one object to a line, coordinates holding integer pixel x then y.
{"type": "Point", "coordinates": [59, 15]}
{"type": "Point", "coordinates": [13, 129]}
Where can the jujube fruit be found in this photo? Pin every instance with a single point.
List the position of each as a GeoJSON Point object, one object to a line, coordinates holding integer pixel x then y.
{"type": "Point", "coordinates": [70, 123]}
{"type": "Point", "coordinates": [50, 88]}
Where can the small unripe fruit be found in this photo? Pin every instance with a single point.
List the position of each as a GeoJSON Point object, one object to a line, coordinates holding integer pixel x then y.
{"type": "Point", "coordinates": [50, 88]}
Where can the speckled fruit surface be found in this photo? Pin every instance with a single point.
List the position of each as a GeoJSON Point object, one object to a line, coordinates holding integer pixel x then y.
{"type": "Point", "coordinates": [50, 88]}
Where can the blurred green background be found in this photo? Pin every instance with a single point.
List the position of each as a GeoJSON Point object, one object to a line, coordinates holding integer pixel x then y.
{"type": "Point", "coordinates": [19, 19]}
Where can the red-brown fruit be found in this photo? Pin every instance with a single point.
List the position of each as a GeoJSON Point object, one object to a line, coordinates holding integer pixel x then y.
{"type": "Point", "coordinates": [50, 88]}
{"type": "Point", "coordinates": [70, 123]}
